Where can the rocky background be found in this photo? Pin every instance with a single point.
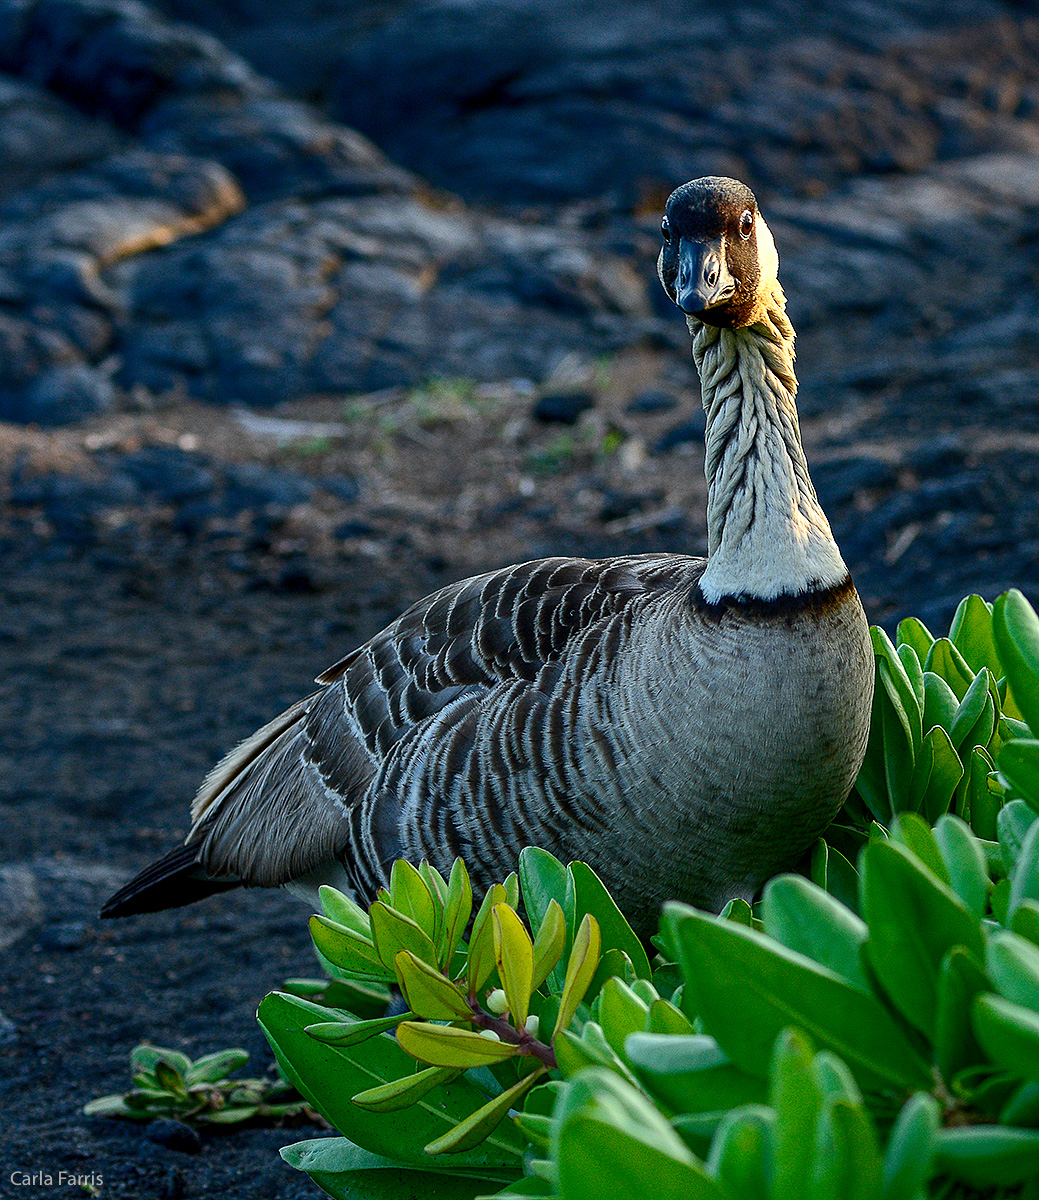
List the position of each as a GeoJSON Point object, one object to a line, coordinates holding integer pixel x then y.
{"type": "Point", "coordinates": [308, 308]}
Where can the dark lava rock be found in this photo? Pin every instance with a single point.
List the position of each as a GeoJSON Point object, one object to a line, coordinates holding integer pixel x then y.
{"type": "Point", "coordinates": [687, 432]}
{"type": "Point", "coordinates": [624, 100]}
{"type": "Point", "coordinates": [651, 401]}
{"type": "Point", "coordinates": [343, 487]}
{"type": "Point", "coordinates": [65, 395]}
{"type": "Point", "coordinates": [63, 935]}
{"type": "Point", "coordinates": [174, 1135]}
{"type": "Point", "coordinates": [252, 485]}
{"type": "Point", "coordinates": [354, 529]}
{"type": "Point", "coordinates": [562, 408]}
{"type": "Point", "coordinates": [836, 482]}
{"type": "Point", "coordinates": [173, 475]}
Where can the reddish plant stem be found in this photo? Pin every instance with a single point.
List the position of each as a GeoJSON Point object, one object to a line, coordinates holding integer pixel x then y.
{"type": "Point", "coordinates": [527, 1043]}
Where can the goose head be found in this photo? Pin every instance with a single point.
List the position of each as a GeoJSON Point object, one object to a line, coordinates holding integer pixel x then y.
{"type": "Point", "coordinates": [718, 262]}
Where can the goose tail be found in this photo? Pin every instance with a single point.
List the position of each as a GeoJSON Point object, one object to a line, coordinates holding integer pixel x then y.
{"type": "Point", "coordinates": [175, 880]}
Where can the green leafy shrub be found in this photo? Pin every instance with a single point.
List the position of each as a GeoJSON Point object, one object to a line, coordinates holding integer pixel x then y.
{"type": "Point", "coordinates": [869, 1032]}
{"type": "Point", "coordinates": [169, 1084]}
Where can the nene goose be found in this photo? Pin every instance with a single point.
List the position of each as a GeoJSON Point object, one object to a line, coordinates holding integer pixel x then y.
{"type": "Point", "coordinates": [686, 726]}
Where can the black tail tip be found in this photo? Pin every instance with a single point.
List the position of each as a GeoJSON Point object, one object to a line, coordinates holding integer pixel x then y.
{"type": "Point", "coordinates": [173, 881]}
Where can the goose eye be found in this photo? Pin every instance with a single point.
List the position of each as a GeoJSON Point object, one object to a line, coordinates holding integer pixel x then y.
{"type": "Point", "coordinates": [665, 231]}
{"type": "Point", "coordinates": [746, 223]}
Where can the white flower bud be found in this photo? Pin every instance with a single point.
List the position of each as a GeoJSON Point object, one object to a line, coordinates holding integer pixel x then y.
{"type": "Point", "coordinates": [496, 1002]}
{"type": "Point", "coordinates": [490, 1035]}
{"type": "Point", "coordinates": [532, 1025]}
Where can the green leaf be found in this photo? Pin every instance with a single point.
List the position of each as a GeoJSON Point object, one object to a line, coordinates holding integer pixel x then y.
{"type": "Point", "coordinates": [458, 908]}
{"type": "Point", "coordinates": [940, 703]}
{"type": "Point", "coordinates": [352, 1033]}
{"type": "Point", "coordinates": [912, 632]}
{"type": "Point", "coordinates": [1013, 823]}
{"type": "Point", "coordinates": [964, 862]}
{"type": "Point", "coordinates": [960, 980]}
{"type": "Point", "coordinates": [913, 832]}
{"type": "Point", "coordinates": [741, 1151]}
{"type": "Point", "coordinates": [910, 661]}
{"type": "Point", "coordinates": [445, 1046]}
{"type": "Point", "coordinates": [664, 1017]}
{"type": "Point", "coordinates": [833, 873]}
{"type": "Point", "coordinates": [476, 1127]}
{"type": "Point", "coordinates": [1026, 921]}
{"type": "Point", "coordinates": [1009, 1033]}
{"type": "Point", "coordinates": [410, 895]}
{"type": "Point", "coordinates": [543, 878]}
{"type": "Point", "coordinates": [847, 1161]}
{"type": "Point", "coordinates": [1019, 764]}
{"type": "Point", "coordinates": [327, 1076]}
{"type": "Point", "coordinates": [591, 1049]}
{"type": "Point", "coordinates": [514, 955]}
{"type": "Point", "coordinates": [549, 944]}
{"type": "Point", "coordinates": [341, 909]}
{"type": "Point", "coordinates": [910, 1148]}
{"type": "Point", "coordinates": [975, 719]}
{"type": "Point", "coordinates": [530, 1185]}
{"type": "Point", "coordinates": [1015, 628]}
{"type": "Point", "coordinates": [621, 1012]}
{"type": "Point", "coordinates": [747, 988]}
{"type": "Point", "coordinates": [430, 994]}
{"type": "Point", "coordinates": [901, 723]}
{"type": "Point", "coordinates": [1024, 878]}
{"type": "Point", "coordinates": [112, 1106]}
{"type": "Point", "coordinates": [1023, 1106]}
{"type": "Point", "coordinates": [404, 1092]}
{"type": "Point", "coordinates": [348, 1172]}
{"type": "Point", "coordinates": [987, 1155]}
{"type": "Point", "coordinates": [590, 896]}
{"type": "Point", "coordinates": [147, 1058]}
{"type": "Point", "coordinates": [906, 955]}
{"type": "Point", "coordinates": [690, 1073]}
{"type": "Point", "coordinates": [481, 962]}
{"type": "Point", "coordinates": [170, 1079]}
{"type": "Point", "coordinates": [796, 1099]}
{"type": "Point", "coordinates": [971, 634]}
{"type": "Point", "coordinates": [806, 919]}
{"type": "Point", "coordinates": [1013, 966]}
{"type": "Point", "coordinates": [584, 958]}
{"type": "Point", "coordinates": [347, 949]}
{"type": "Point", "coordinates": [982, 795]}
{"type": "Point", "coordinates": [611, 1142]}
{"type": "Point", "coordinates": [394, 931]}
{"type": "Point", "coordinates": [896, 682]}
{"type": "Point", "coordinates": [945, 660]}
{"type": "Point", "coordinates": [737, 909]}
{"type": "Point", "coordinates": [213, 1067]}
{"type": "Point", "coordinates": [936, 774]}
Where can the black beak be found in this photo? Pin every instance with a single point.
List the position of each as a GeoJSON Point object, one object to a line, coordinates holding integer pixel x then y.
{"type": "Point", "coordinates": [703, 279]}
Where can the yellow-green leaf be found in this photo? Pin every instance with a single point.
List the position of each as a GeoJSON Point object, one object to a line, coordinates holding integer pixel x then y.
{"type": "Point", "coordinates": [481, 942]}
{"type": "Point", "coordinates": [584, 958]}
{"type": "Point", "coordinates": [403, 1093]}
{"type": "Point", "coordinates": [549, 943]}
{"type": "Point", "coordinates": [410, 895]}
{"type": "Point", "coordinates": [445, 1046]}
{"type": "Point", "coordinates": [393, 931]}
{"type": "Point", "coordinates": [458, 909]}
{"type": "Point", "coordinates": [470, 1132]}
{"type": "Point", "coordinates": [430, 995]}
{"type": "Point", "coordinates": [515, 958]}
